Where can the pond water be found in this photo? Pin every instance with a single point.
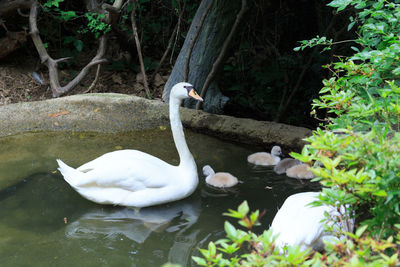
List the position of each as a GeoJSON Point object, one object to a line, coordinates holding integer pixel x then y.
{"type": "Point", "coordinates": [43, 221]}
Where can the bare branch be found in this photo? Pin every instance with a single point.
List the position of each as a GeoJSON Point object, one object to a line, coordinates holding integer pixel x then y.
{"type": "Point", "coordinates": [45, 58]}
{"type": "Point", "coordinates": [139, 50]}
{"type": "Point", "coordinates": [171, 40]}
{"type": "Point", "coordinates": [224, 49]}
{"type": "Point", "coordinates": [22, 14]}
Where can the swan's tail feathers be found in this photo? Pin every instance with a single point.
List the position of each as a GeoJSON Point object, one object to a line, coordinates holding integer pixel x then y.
{"type": "Point", "coordinates": [207, 170]}
{"type": "Point", "coordinates": [70, 174]}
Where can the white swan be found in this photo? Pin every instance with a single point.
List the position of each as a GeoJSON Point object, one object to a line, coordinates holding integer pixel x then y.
{"type": "Point", "coordinates": [301, 171]}
{"type": "Point", "coordinates": [219, 179]}
{"type": "Point", "coordinates": [266, 159]}
{"type": "Point", "coordinates": [296, 223]}
{"type": "Point", "coordinates": [137, 179]}
{"type": "Point", "coordinates": [285, 164]}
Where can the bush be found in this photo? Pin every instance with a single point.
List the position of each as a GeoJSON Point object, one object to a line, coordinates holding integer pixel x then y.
{"type": "Point", "coordinates": [358, 146]}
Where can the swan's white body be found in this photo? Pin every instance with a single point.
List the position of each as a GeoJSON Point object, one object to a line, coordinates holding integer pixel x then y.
{"type": "Point", "coordinates": [137, 179]}
{"type": "Point", "coordinates": [301, 171]}
{"type": "Point", "coordinates": [296, 223]}
{"type": "Point", "coordinates": [266, 159]}
{"type": "Point", "coordinates": [219, 179]}
{"type": "Point", "coordinates": [285, 164]}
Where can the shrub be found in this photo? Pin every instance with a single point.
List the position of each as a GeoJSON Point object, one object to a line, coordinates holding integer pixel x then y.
{"type": "Point", "coordinates": [358, 146]}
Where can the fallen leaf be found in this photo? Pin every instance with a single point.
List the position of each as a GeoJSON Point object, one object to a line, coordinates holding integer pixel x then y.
{"type": "Point", "coordinates": [118, 147]}
{"type": "Point", "coordinates": [64, 112]}
{"type": "Point", "coordinates": [158, 81]}
{"type": "Point", "coordinates": [97, 110]}
{"type": "Point", "coordinates": [163, 128]}
{"type": "Point", "coordinates": [116, 78]}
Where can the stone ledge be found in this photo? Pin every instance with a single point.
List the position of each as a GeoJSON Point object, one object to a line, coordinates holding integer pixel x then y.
{"type": "Point", "coordinates": [110, 113]}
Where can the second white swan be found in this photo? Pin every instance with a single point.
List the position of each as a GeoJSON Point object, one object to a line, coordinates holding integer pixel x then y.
{"type": "Point", "coordinates": [137, 179]}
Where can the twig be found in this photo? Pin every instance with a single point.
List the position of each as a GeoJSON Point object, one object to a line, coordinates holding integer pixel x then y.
{"type": "Point", "coordinates": [282, 108]}
{"type": "Point", "coordinates": [177, 31]}
{"type": "Point", "coordinates": [139, 50]}
{"type": "Point", "coordinates": [171, 40]}
{"type": "Point", "coordinates": [95, 79]}
{"type": "Point", "coordinates": [194, 40]}
{"type": "Point", "coordinates": [221, 56]}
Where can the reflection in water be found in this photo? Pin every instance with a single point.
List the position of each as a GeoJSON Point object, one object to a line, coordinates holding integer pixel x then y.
{"type": "Point", "coordinates": [117, 222]}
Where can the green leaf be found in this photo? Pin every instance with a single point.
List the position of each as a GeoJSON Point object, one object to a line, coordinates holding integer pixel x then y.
{"type": "Point", "coordinates": [380, 193]}
{"type": "Point", "coordinates": [199, 261]}
{"type": "Point", "coordinates": [212, 249]}
{"type": "Point", "coordinates": [350, 26]}
{"type": "Point", "coordinates": [254, 216]}
{"type": "Point", "coordinates": [340, 4]}
{"type": "Point", "coordinates": [230, 230]}
{"type": "Point", "coordinates": [67, 15]}
{"type": "Point", "coordinates": [361, 230]}
{"type": "Point", "coordinates": [243, 208]}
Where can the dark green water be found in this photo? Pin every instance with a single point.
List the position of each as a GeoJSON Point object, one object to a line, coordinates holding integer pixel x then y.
{"type": "Point", "coordinates": [43, 222]}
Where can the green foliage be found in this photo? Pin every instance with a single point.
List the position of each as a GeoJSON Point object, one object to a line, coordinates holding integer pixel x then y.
{"type": "Point", "coordinates": [360, 146]}
{"type": "Point", "coordinates": [54, 6]}
{"type": "Point", "coordinates": [245, 248]}
{"type": "Point", "coordinates": [96, 24]}
{"type": "Point", "coordinates": [315, 41]}
{"type": "Point", "coordinates": [52, 3]}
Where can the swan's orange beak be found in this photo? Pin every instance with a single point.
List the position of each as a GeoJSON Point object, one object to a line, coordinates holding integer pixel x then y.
{"type": "Point", "coordinates": [194, 95]}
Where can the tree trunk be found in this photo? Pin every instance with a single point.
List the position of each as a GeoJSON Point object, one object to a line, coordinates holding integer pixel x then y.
{"type": "Point", "coordinates": [217, 25]}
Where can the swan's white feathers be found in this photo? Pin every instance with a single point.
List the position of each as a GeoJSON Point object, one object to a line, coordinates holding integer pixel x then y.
{"type": "Point", "coordinates": [298, 223]}
{"type": "Point", "coordinates": [137, 179]}
{"type": "Point", "coordinates": [132, 173]}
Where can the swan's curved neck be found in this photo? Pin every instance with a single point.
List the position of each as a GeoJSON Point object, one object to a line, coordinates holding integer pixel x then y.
{"type": "Point", "coordinates": [177, 132]}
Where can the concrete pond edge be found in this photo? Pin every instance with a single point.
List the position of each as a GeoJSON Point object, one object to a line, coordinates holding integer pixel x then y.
{"type": "Point", "coordinates": [113, 113]}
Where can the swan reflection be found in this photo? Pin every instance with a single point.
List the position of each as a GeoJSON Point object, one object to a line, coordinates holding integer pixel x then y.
{"type": "Point", "coordinates": [135, 225]}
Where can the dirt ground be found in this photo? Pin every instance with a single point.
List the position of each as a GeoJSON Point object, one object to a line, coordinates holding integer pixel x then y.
{"type": "Point", "coordinates": [17, 82]}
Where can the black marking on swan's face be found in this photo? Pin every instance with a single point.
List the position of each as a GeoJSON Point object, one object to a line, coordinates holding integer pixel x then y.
{"type": "Point", "coordinates": [188, 88]}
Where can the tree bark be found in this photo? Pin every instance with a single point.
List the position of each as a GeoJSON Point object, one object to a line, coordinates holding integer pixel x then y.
{"type": "Point", "coordinates": [214, 31]}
